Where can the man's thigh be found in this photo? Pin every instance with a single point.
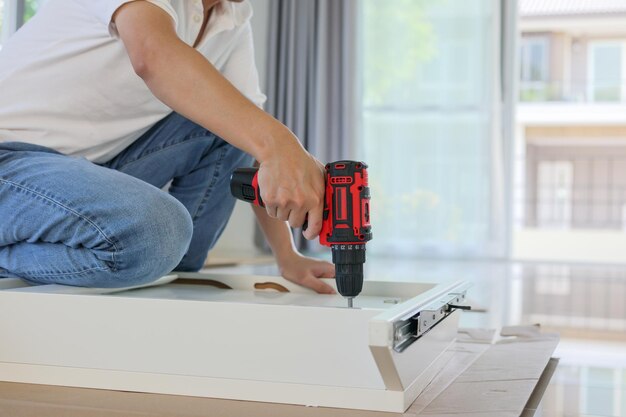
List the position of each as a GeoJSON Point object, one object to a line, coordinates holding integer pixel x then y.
{"type": "Point", "coordinates": [95, 219]}
{"type": "Point", "coordinates": [44, 187]}
{"type": "Point", "coordinates": [173, 148]}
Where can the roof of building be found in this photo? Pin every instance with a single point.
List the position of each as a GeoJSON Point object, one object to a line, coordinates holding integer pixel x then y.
{"type": "Point", "coordinates": [547, 8]}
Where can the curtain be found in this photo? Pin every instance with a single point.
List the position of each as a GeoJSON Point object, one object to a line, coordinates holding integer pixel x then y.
{"type": "Point", "coordinates": [311, 85]}
{"type": "Point", "coordinates": [311, 67]}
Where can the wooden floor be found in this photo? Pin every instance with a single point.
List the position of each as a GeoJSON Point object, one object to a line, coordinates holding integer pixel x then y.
{"type": "Point", "coordinates": [27, 400]}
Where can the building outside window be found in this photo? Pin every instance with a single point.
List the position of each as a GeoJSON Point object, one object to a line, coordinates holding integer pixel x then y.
{"type": "Point", "coordinates": [571, 136]}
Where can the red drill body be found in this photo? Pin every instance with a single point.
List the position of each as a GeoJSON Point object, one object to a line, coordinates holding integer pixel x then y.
{"type": "Point", "coordinates": [346, 221]}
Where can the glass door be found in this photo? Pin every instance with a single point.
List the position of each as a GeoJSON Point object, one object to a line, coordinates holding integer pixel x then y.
{"type": "Point", "coordinates": [430, 123]}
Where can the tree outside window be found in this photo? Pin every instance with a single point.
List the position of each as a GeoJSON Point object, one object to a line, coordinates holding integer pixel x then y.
{"type": "Point", "coordinates": [30, 8]}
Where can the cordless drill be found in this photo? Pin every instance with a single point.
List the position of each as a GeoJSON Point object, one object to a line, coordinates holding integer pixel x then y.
{"type": "Point", "coordinates": [346, 217]}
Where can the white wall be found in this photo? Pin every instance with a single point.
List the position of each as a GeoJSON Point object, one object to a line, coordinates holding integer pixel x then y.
{"type": "Point", "coordinates": [239, 234]}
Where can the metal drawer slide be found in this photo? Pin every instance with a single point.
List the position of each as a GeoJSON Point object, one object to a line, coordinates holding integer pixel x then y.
{"type": "Point", "coordinates": [409, 330]}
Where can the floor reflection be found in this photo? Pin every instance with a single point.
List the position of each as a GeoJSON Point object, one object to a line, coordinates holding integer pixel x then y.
{"type": "Point", "coordinates": [585, 304]}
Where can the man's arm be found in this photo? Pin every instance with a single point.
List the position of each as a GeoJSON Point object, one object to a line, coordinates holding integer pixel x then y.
{"type": "Point", "coordinates": [291, 180]}
{"type": "Point", "coordinates": [240, 69]}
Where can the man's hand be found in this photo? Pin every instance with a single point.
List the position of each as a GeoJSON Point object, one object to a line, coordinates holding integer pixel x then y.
{"type": "Point", "coordinates": [307, 272]}
{"type": "Point", "coordinates": [292, 187]}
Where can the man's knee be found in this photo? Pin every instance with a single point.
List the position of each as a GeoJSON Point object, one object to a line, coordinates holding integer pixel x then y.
{"type": "Point", "coordinates": [156, 238]}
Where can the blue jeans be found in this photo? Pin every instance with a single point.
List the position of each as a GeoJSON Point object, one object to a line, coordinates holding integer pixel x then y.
{"type": "Point", "coordinates": [69, 221]}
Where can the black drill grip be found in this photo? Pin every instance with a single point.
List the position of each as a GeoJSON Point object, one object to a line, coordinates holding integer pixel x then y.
{"type": "Point", "coordinates": [244, 186]}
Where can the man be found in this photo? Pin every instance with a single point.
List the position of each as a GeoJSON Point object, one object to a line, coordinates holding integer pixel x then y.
{"type": "Point", "coordinates": [103, 103]}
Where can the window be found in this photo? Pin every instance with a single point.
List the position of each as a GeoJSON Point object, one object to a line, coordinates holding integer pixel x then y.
{"type": "Point", "coordinates": [606, 71]}
{"type": "Point", "coordinates": [553, 280]}
{"type": "Point", "coordinates": [429, 81]}
{"type": "Point", "coordinates": [575, 187]}
{"type": "Point", "coordinates": [534, 71]}
{"type": "Point", "coordinates": [554, 194]}
{"type": "Point", "coordinates": [534, 59]}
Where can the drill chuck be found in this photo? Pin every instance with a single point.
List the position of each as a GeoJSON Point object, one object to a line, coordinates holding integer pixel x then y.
{"type": "Point", "coordinates": [349, 260]}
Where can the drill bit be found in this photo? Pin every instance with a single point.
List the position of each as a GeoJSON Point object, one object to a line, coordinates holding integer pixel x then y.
{"type": "Point", "coordinates": [350, 302]}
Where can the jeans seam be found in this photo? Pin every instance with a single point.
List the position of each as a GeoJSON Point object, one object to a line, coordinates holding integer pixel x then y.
{"type": "Point", "coordinates": [164, 147]}
{"type": "Point", "coordinates": [70, 210]}
{"type": "Point", "coordinates": [60, 275]}
{"type": "Point", "coordinates": [207, 193]}
{"type": "Point", "coordinates": [209, 190]}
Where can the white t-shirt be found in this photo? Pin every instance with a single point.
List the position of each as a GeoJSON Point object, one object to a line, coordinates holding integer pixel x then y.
{"type": "Point", "coordinates": [66, 81]}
